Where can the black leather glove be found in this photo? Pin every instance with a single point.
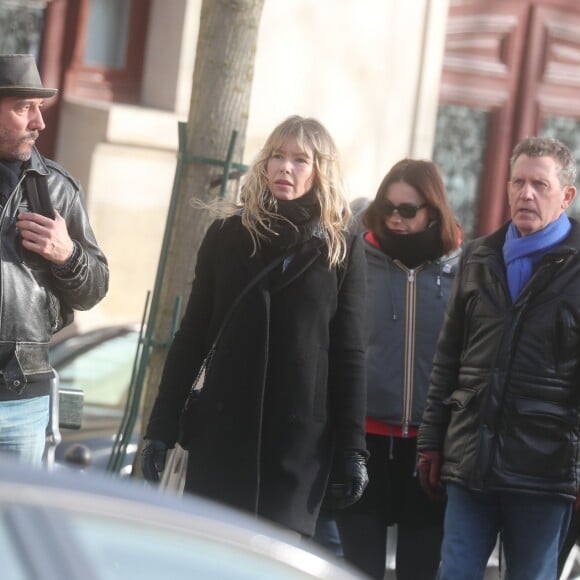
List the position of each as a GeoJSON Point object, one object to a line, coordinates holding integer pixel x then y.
{"type": "Point", "coordinates": [350, 489]}
{"type": "Point", "coordinates": [153, 459]}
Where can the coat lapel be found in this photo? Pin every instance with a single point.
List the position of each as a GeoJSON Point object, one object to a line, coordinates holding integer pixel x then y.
{"type": "Point", "coordinates": [304, 257]}
{"type": "Point", "coordinates": [306, 254]}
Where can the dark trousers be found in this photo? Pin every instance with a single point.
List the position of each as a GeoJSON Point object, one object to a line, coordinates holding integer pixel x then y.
{"type": "Point", "coordinates": [393, 497]}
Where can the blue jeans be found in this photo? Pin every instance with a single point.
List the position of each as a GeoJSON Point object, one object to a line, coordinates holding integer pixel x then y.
{"type": "Point", "coordinates": [23, 428]}
{"type": "Point", "coordinates": [533, 528]}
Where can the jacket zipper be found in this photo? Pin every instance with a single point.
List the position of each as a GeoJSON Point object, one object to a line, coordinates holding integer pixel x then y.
{"type": "Point", "coordinates": [408, 369]}
{"type": "Point", "coordinates": [409, 336]}
{"type": "Point", "coordinates": [3, 214]}
{"type": "Point", "coordinates": [523, 303]}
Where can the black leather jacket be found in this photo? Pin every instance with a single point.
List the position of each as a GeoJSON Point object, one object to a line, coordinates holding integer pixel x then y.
{"type": "Point", "coordinates": [35, 301]}
{"type": "Point", "coordinates": [504, 398]}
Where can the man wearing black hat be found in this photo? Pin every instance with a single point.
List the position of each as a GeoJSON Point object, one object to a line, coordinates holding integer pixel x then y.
{"type": "Point", "coordinates": [50, 262]}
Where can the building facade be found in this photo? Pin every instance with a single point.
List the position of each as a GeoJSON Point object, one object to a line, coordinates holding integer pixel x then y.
{"type": "Point", "coordinates": [459, 81]}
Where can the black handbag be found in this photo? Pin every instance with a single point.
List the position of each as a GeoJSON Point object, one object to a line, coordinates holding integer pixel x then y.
{"type": "Point", "coordinates": [186, 419]}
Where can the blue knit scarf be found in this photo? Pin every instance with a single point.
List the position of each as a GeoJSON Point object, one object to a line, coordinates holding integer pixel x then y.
{"type": "Point", "coordinates": [521, 253]}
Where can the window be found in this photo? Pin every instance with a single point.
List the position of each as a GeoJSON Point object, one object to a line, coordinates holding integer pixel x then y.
{"type": "Point", "coordinates": [108, 32]}
{"type": "Point", "coordinates": [108, 55]}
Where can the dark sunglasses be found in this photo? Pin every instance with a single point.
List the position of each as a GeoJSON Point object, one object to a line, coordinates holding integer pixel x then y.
{"type": "Point", "coordinates": [406, 210]}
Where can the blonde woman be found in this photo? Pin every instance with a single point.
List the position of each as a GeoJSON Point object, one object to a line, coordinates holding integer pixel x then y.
{"type": "Point", "coordinates": [286, 389]}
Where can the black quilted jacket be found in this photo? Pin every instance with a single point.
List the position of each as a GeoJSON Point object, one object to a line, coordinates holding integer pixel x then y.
{"type": "Point", "coordinates": [504, 396]}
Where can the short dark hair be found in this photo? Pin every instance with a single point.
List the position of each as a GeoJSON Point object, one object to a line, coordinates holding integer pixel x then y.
{"type": "Point", "coordinates": [426, 178]}
{"type": "Point", "coordinates": [548, 147]}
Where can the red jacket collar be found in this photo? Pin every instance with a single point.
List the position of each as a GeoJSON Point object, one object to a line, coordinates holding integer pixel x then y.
{"type": "Point", "coordinates": [372, 240]}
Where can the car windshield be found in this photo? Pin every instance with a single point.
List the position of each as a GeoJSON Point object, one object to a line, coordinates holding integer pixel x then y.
{"type": "Point", "coordinates": [103, 372]}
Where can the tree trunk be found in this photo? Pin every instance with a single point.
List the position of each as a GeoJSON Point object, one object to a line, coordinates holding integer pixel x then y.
{"type": "Point", "coordinates": [220, 100]}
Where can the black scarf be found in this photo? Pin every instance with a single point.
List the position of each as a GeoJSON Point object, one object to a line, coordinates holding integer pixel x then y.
{"type": "Point", "coordinates": [299, 219]}
{"type": "Point", "coordinates": [412, 249]}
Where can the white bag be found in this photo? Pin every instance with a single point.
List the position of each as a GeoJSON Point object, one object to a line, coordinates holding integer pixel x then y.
{"type": "Point", "coordinates": [173, 477]}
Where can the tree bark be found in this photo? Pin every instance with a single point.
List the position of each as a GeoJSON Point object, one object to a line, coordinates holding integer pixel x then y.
{"type": "Point", "coordinates": [220, 100]}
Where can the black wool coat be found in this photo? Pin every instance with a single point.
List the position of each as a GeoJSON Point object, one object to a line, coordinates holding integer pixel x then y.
{"type": "Point", "coordinates": [287, 384]}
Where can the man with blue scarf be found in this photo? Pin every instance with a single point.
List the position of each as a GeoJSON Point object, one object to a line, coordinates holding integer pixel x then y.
{"type": "Point", "coordinates": [501, 430]}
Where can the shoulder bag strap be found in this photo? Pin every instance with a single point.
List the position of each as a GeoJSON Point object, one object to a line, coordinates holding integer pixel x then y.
{"type": "Point", "coordinates": [199, 379]}
{"type": "Point", "coordinates": [36, 188]}
{"type": "Point", "coordinates": [259, 276]}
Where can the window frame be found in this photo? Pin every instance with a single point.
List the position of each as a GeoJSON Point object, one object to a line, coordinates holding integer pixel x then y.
{"type": "Point", "coordinates": [105, 83]}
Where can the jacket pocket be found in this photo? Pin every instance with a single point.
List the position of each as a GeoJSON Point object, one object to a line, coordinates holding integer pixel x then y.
{"type": "Point", "coordinates": [469, 310]}
{"type": "Point", "coordinates": [540, 439]}
{"type": "Point", "coordinates": [566, 339]}
{"type": "Point", "coordinates": [460, 398]}
{"type": "Point", "coordinates": [463, 424]}
{"type": "Point", "coordinates": [54, 312]}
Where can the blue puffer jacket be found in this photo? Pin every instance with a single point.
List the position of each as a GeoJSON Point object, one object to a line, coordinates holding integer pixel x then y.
{"type": "Point", "coordinates": [404, 315]}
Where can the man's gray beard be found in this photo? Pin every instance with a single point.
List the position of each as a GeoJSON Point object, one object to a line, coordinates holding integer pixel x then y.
{"type": "Point", "coordinates": [16, 155]}
{"type": "Point", "coordinates": [24, 156]}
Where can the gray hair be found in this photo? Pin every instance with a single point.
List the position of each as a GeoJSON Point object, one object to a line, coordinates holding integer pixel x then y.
{"type": "Point", "coordinates": [547, 147]}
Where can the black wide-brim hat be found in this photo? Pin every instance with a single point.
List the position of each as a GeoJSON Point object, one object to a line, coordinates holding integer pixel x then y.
{"type": "Point", "coordinates": [19, 77]}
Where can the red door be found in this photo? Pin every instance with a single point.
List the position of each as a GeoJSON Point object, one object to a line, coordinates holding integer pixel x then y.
{"type": "Point", "coordinates": [511, 69]}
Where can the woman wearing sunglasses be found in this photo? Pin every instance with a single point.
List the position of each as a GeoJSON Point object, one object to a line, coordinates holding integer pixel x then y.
{"type": "Point", "coordinates": [412, 250]}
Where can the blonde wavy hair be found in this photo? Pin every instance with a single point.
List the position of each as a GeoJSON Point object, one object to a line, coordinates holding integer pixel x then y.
{"type": "Point", "coordinates": [257, 205]}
